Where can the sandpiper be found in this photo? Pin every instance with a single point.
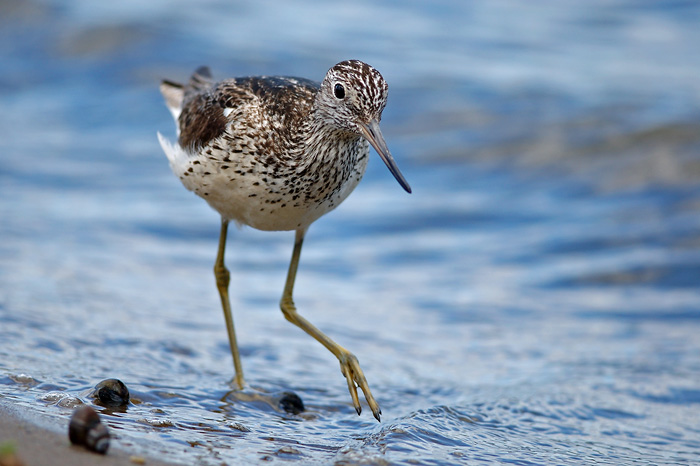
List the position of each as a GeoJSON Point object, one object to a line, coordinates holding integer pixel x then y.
{"type": "Point", "coordinates": [276, 153]}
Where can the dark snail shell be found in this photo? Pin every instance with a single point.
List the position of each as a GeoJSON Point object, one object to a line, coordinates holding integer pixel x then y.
{"type": "Point", "coordinates": [98, 439]}
{"type": "Point", "coordinates": [86, 429]}
{"type": "Point", "coordinates": [111, 393]}
{"type": "Point", "coordinates": [291, 403]}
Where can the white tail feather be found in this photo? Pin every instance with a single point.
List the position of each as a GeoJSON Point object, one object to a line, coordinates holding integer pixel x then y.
{"type": "Point", "coordinates": [173, 94]}
{"type": "Point", "coordinates": [175, 154]}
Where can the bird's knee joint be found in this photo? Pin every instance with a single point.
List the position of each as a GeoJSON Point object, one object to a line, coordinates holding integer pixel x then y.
{"type": "Point", "coordinates": [347, 359]}
{"type": "Point", "coordinates": [223, 277]}
{"type": "Point", "coordinates": [288, 309]}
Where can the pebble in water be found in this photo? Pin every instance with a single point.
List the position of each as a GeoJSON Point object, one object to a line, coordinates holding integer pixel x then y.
{"type": "Point", "coordinates": [85, 429]}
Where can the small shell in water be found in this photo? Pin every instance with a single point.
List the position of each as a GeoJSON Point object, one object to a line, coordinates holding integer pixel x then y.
{"type": "Point", "coordinates": [111, 393]}
{"type": "Point", "coordinates": [86, 429]}
{"type": "Point", "coordinates": [291, 403]}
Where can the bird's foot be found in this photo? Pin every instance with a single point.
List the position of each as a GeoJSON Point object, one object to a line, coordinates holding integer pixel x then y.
{"type": "Point", "coordinates": [350, 367]}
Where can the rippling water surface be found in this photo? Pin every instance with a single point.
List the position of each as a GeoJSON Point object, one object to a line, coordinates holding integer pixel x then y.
{"type": "Point", "coordinates": [535, 301]}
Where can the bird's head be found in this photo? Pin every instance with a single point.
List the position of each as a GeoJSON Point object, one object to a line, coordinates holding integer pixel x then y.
{"type": "Point", "coordinates": [351, 98]}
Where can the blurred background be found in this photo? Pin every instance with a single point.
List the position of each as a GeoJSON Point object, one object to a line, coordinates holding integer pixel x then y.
{"type": "Point", "coordinates": [535, 300]}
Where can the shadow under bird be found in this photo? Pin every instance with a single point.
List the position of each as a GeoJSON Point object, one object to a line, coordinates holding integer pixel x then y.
{"type": "Point", "coordinates": [276, 153]}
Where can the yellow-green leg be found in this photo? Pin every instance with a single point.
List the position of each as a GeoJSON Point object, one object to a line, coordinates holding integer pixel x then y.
{"type": "Point", "coordinates": [349, 365]}
{"type": "Point", "coordinates": [222, 280]}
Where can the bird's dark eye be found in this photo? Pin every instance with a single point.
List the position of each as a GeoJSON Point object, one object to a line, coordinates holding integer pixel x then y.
{"type": "Point", "coordinates": [339, 91]}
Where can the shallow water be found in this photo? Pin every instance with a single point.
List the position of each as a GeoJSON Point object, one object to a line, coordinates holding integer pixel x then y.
{"type": "Point", "coordinates": [535, 301]}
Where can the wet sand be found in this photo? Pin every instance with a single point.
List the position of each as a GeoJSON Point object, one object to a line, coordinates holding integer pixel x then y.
{"type": "Point", "coordinates": [38, 446]}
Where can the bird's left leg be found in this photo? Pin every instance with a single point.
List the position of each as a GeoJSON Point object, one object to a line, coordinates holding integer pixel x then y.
{"type": "Point", "coordinates": [349, 365]}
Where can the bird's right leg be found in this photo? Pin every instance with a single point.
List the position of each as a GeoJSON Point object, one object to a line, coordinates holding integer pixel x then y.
{"type": "Point", "coordinates": [222, 280]}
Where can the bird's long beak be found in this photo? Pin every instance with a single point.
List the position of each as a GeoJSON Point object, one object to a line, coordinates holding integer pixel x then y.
{"type": "Point", "coordinates": [372, 133]}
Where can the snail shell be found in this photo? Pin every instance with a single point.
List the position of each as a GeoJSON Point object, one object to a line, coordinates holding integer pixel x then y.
{"type": "Point", "coordinates": [111, 392]}
{"type": "Point", "coordinates": [86, 429]}
{"type": "Point", "coordinates": [291, 403]}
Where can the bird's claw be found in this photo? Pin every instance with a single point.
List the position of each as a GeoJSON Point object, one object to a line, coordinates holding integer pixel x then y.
{"type": "Point", "coordinates": [350, 367]}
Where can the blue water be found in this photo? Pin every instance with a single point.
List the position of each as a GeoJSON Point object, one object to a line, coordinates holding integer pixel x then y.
{"type": "Point", "coordinates": [536, 300]}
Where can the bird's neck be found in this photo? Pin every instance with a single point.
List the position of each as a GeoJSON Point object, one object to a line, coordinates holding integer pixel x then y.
{"type": "Point", "coordinates": [330, 146]}
{"type": "Point", "coordinates": [331, 156]}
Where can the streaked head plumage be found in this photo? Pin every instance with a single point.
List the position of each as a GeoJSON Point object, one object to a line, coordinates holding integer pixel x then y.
{"type": "Point", "coordinates": [352, 93]}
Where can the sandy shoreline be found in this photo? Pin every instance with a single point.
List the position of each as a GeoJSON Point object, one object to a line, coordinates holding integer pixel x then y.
{"type": "Point", "coordinates": [38, 446]}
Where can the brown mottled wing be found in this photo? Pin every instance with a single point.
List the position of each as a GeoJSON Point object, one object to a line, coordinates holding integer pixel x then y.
{"type": "Point", "coordinates": [201, 119]}
{"type": "Point", "coordinates": [285, 100]}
